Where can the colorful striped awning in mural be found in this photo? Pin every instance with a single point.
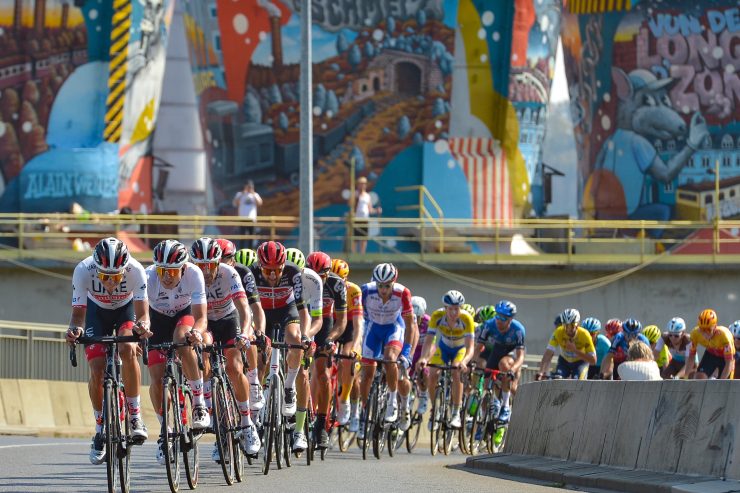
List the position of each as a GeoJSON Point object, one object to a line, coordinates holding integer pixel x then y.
{"type": "Point", "coordinates": [484, 164]}
{"type": "Point", "coordinates": [598, 6]}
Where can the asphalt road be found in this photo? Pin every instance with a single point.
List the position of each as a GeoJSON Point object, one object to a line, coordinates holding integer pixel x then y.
{"type": "Point", "coordinates": [29, 464]}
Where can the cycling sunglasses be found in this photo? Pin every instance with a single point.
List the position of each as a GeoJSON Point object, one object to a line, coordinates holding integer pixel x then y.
{"type": "Point", "coordinates": [110, 277]}
{"type": "Point", "coordinates": [172, 271]}
{"type": "Point", "coordinates": [502, 318]}
{"type": "Point", "coordinates": [268, 271]}
{"type": "Point", "coordinates": [207, 265]}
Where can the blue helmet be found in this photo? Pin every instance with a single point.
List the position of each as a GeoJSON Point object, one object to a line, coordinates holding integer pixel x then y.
{"type": "Point", "coordinates": [591, 324]}
{"type": "Point", "coordinates": [558, 320]}
{"type": "Point", "coordinates": [735, 328]}
{"type": "Point", "coordinates": [505, 308]}
{"type": "Point", "coordinates": [632, 327]}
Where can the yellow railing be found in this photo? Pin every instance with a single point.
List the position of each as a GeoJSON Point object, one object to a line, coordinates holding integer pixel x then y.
{"type": "Point", "coordinates": [534, 241]}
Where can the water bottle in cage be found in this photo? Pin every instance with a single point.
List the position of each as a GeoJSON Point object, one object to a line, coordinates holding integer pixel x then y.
{"type": "Point", "coordinates": [121, 405]}
{"type": "Point", "coordinates": [183, 411]}
{"type": "Point", "coordinates": [473, 407]}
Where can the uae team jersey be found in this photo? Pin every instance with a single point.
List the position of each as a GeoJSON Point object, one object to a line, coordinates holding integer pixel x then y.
{"type": "Point", "coordinates": [85, 283]}
{"type": "Point", "coordinates": [191, 290]}
{"type": "Point", "coordinates": [223, 291]}
{"type": "Point", "coordinates": [385, 312]}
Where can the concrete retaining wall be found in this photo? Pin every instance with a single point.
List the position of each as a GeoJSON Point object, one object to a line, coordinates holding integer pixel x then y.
{"type": "Point", "coordinates": [680, 426]}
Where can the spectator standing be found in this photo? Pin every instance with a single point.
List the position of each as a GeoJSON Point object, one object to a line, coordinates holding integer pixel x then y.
{"type": "Point", "coordinates": [640, 364]}
{"type": "Point", "coordinates": [363, 209]}
{"type": "Point", "coordinates": [246, 203]}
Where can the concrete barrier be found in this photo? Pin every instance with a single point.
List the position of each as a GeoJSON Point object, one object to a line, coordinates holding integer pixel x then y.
{"type": "Point", "coordinates": [670, 426]}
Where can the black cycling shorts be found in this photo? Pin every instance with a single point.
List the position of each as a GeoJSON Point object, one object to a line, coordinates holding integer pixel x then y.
{"type": "Point", "coordinates": [163, 325]}
{"type": "Point", "coordinates": [496, 353]}
{"type": "Point", "coordinates": [225, 329]}
{"type": "Point", "coordinates": [280, 318]}
{"type": "Point", "coordinates": [710, 362]}
{"type": "Point", "coordinates": [349, 332]}
{"type": "Point", "coordinates": [101, 322]}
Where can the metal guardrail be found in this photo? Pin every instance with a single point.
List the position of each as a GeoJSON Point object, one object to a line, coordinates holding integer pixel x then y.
{"type": "Point", "coordinates": [437, 239]}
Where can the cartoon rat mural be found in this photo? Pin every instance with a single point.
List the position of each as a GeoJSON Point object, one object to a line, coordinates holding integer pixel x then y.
{"type": "Point", "coordinates": [645, 114]}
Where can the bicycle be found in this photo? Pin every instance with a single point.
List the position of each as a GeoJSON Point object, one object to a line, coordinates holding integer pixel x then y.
{"type": "Point", "coordinates": [373, 419]}
{"type": "Point", "coordinates": [226, 416]}
{"type": "Point", "coordinates": [338, 434]}
{"type": "Point", "coordinates": [116, 432]}
{"type": "Point", "coordinates": [440, 416]}
{"type": "Point", "coordinates": [477, 408]}
{"type": "Point", "coordinates": [176, 434]}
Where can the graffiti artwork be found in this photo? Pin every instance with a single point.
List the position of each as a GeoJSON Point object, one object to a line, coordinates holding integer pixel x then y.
{"type": "Point", "coordinates": [79, 89]}
{"type": "Point", "coordinates": [655, 93]}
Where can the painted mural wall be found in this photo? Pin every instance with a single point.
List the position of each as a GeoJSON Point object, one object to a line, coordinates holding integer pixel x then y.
{"type": "Point", "coordinates": [80, 82]}
{"type": "Point", "coordinates": [655, 92]}
{"type": "Point", "coordinates": [433, 92]}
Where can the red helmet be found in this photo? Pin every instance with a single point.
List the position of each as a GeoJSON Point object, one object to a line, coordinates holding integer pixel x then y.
{"type": "Point", "coordinates": [227, 248]}
{"type": "Point", "coordinates": [110, 255]}
{"type": "Point", "coordinates": [205, 250]}
{"type": "Point", "coordinates": [271, 254]}
{"type": "Point", "coordinates": [319, 262]}
{"type": "Point", "coordinates": [613, 327]}
{"type": "Point", "coordinates": [707, 320]}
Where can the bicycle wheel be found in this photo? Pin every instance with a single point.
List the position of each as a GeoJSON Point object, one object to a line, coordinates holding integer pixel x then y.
{"type": "Point", "coordinates": [124, 444]}
{"type": "Point", "coordinates": [286, 446]}
{"type": "Point", "coordinates": [234, 420]}
{"type": "Point", "coordinates": [224, 441]}
{"type": "Point", "coordinates": [279, 424]}
{"type": "Point", "coordinates": [378, 430]}
{"type": "Point", "coordinates": [189, 440]}
{"type": "Point", "coordinates": [368, 422]}
{"type": "Point", "coordinates": [268, 427]}
{"type": "Point", "coordinates": [110, 419]}
{"type": "Point", "coordinates": [475, 434]}
{"type": "Point", "coordinates": [436, 418]}
{"type": "Point", "coordinates": [344, 437]}
{"type": "Point", "coordinates": [412, 434]}
{"type": "Point", "coordinates": [307, 430]}
{"type": "Point", "coordinates": [447, 430]}
{"type": "Point", "coordinates": [171, 432]}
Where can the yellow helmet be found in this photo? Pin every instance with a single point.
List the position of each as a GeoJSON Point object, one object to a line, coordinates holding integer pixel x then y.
{"type": "Point", "coordinates": [340, 268]}
{"type": "Point", "coordinates": [652, 332]}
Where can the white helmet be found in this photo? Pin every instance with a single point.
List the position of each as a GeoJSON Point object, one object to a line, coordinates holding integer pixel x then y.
{"type": "Point", "coordinates": [419, 305]}
{"type": "Point", "coordinates": [570, 316]}
{"type": "Point", "coordinates": [735, 328]}
{"type": "Point", "coordinates": [453, 298]}
{"type": "Point", "coordinates": [384, 273]}
{"type": "Point", "coordinates": [676, 325]}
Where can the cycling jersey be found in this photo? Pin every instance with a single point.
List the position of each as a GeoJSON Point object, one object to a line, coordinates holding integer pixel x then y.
{"type": "Point", "coordinates": [313, 291]}
{"type": "Point", "coordinates": [85, 283]}
{"type": "Point", "coordinates": [287, 291]}
{"type": "Point", "coordinates": [423, 325]}
{"type": "Point", "coordinates": [451, 336]}
{"type": "Point", "coordinates": [191, 290]}
{"type": "Point", "coordinates": [222, 292]}
{"type": "Point", "coordinates": [512, 339]}
{"type": "Point", "coordinates": [582, 340]}
{"type": "Point", "coordinates": [603, 344]}
{"type": "Point", "coordinates": [354, 300]}
{"type": "Point", "coordinates": [385, 312]}
{"type": "Point", "coordinates": [620, 345]}
{"type": "Point", "coordinates": [719, 344]}
{"type": "Point", "coordinates": [334, 296]}
{"type": "Point", "coordinates": [248, 283]}
{"type": "Point", "coordinates": [679, 353]}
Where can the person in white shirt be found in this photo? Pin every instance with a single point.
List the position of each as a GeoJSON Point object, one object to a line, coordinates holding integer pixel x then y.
{"type": "Point", "coordinates": [363, 208]}
{"type": "Point", "coordinates": [640, 364]}
{"type": "Point", "coordinates": [246, 203]}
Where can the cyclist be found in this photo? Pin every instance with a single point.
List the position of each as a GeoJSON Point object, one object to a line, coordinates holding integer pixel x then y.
{"type": "Point", "coordinates": [483, 346]}
{"type": "Point", "coordinates": [177, 309]}
{"type": "Point", "coordinates": [419, 306]}
{"type": "Point", "coordinates": [245, 257]}
{"type": "Point", "coordinates": [601, 343]}
{"type": "Point", "coordinates": [735, 329]}
{"type": "Point", "coordinates": [349, 340]}
{"type": "Point", "coordinates": [228, 257]}
{"type": "Point", "coordinates": [677, 342]}
{"type": "Point", "coordinates": [108, 295]}
{"type": "Point", "coordinates": [229, 321]}
{"type": "Point", "coordinates": [313, 297]}
{"type": "Point", "coordinates": [335, 302]}
{"type": "Point", "coordinates": [469, 309]}
{"type": "Point", "coordinates": [719, 355]}
{"type": "Point", "coordinates": [631, 331]}
{"type": "Point", "coordinates": [506, 336]}
{"type": "Point", "coordinates": [576, 348]}
{"type": "Point", "coordinates": [454, 346]}
{"type": "Point", "coordinates": [662, 356]}
{"type": "Point", "coordinates": [383, 301]}
{"type": "Point", "coordinates": [280, 287]}
{"type": "Point", "coordinates": [612, 327]}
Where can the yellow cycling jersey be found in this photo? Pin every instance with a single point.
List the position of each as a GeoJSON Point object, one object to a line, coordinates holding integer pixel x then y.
{"type": "Point", "coordinates": [452, 337]}
{"type": "Point", "coordinates": [720, 344]}
{"type": "Point", "coordinates": [582, 339]}
{"type": "Point", "coordinates": [354, 300]}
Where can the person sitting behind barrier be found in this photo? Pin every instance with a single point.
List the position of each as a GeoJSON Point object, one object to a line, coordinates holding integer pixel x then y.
{"type": "Point", "coordinates": [640, 364]}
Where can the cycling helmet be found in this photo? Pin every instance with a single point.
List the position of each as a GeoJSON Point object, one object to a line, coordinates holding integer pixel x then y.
{"type": "Point", "coordinates": [735, 328]}
{"type": "Point", "coordinates": [632, 327]}
{"type": "Point", "coordinates": [110, 255]}
{"type": "Point", "coordinates": [453, 298]}
{"type": "Point", "coordinates": [271, 254]}
{"type": "Point", "coordinates": [569, 316]}
{"type": "Point", "coordinates": [296, 256]}
{"type": "Point", "coordinates": [505, 308]}
{"type": "Point", "coordinates": [419, 305]}
{"type": "Point", "coordinates": [676, 325]}
{"type": "Point", "coordinates": [707, 319]}
{"type": "Point", "coordinates": [384, 273]}
{"type": "Point", "coordinates": [170, 254]}
{"type": "Point", "coordinates": [485, 313]}
{"type": "Point", "coordinates": [558, 320]}
{"type": "Point", "coordinates": [227, 247]}
{"type": "Point", "coordinates": [319, 262]}
{"type": "Point", "coordinates": [340, 268]}
{"type": "Point", "coordinates": [652, 332]}
{"type": "Point", "coordinates": [591, 324]}
{"type": "Point", "coordinates": [469, 309]}
{"type": "Point", "coordinates": [613, 327]}
{"type": "Point", "coordinates": [205, 250]}
{"type": "Point", "coordinates": [246, 257]}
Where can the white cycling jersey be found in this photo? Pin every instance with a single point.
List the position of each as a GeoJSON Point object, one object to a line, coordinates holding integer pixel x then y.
{"type": "Point", "coordinates": [85, 283]}
{"type": "Point", "coordinates": [191, 290]}
{"type": "Point", "coordinates": [223, 291]}
{"type": "Point", "coordinates": [312, 292]}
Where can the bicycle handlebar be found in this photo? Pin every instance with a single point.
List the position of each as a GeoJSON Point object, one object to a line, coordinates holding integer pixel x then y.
{"type": "Point", "coordinates": [107, 340]}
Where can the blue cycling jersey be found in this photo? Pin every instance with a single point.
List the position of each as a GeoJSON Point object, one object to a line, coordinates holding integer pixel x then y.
{"type": "Point", "coordinates": [620, 345]}
{"type": "Point", "coordinates": [603, 344]}
{"type": "Point", "coordinates": [511, 339]}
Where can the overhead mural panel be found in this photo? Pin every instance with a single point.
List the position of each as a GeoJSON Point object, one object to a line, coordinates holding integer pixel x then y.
{"type": "Point", "coordinates": [80, 83]}
{"type": "Point", "coordinates": [387, 77]}
{"type": "Point", "coordinates": [656, 99]}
